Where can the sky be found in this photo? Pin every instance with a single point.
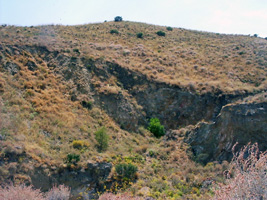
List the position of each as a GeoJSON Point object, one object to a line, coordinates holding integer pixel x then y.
{"type": "Point", "coordinates": [220, 16]}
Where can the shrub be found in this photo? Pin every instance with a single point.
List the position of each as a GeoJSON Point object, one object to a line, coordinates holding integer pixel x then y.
{"type": "Point", "coordinates": [127, 171]}
{"type": "Point", "coordinates": [247, 176]}
{"type": "Point", "coordinates": [114, 31]}
{"type": "Point", "coordinates": [139, 35]}
{"type": "Point", "coordinates": [118, 19]}
{"type": "Point", "coordinates": [161, 33]}
{"type": "Point", "coordinates": [58, 193]}
{"type": "Point", "coordinates": [87, 104]}
{"type": "Point", "coordinates": [152, 153]}
{"type": "Point", "coordinates": [156, 128]}
{"type": "Point", "coordinates": [21, 192]}
{"type": "Point", "coordinates": [79, 144]}
{"type": "Point", "coordinates": [73, 158]}
{"type": "Point", "coordinates": [73, 59]}
{"type": "Point", "coordinates": [255, 35]}
{"type": "Point", "coordinates": [102, 139]}
{"type": "Point", "coordinates": [169, 28]}
{"type": "Point", "coordinates": [76, 51]}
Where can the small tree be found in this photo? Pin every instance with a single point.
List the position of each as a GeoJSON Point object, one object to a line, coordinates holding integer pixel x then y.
{"type": "Point", "coordinates": [161, 33]}
{"type": "Point", "coordinates": [169, 28]}
{"type": "Point", "coordinates": [156, 128]}
{"type": "Point", "coordinates": [139, 35]}
{"type": "Point", "coordinates": [118, 19]}
{"type": "Point", "coordinates": [101, 137]}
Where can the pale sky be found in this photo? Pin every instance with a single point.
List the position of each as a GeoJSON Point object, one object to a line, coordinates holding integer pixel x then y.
{"type": "Point", "coordinates": [220, 16]}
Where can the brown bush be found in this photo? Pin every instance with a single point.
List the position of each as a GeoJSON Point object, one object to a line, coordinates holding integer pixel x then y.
{"type": "Point", "coordinates": [142, 149]}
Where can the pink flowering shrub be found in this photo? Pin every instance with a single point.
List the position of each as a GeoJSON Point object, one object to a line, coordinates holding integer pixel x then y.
{"type": "Point", "coordinates": [247, 177]}
{"type": "Point", "coordinates": [21, 192]}
{"type": "Point", "coordinates": [58, 193]}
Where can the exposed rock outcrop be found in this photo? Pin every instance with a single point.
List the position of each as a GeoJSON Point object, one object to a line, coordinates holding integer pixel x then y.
{"type": "Point", "coordinates": [83, 180]}
{"type": "Point", "coordinates": [242, 122]}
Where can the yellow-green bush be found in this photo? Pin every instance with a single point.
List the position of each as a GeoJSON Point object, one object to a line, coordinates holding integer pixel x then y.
{"type": "Point", "coordinates": [80, 144]}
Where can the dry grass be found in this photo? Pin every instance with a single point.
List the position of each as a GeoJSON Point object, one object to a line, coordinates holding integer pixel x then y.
{"type": "Point", "coordinates": [38, 112]}
{"type": "Point", "coordinates": [200, 60]}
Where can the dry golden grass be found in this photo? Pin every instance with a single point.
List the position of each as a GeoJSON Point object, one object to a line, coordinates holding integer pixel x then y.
{"type": "Point", "coordinates": [201, 61]}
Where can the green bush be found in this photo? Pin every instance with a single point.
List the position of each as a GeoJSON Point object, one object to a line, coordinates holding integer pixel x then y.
{"type": "Point", "coordinates": [169, 28]}
{"type": "Point", "coordinates": [156, 128]}
{"type": "Point", "coordinates": [139, 35]}
{"type": "Point", "coordinates": [161, 33]}
{"type": "Point", "coordinates": [152, 153]}
{"type": "Point", "coordinates": [118, 19]}
{"type": "Point", "coordinates": [87, 104]}
{"type": "Point", "coordinates": [76, 51]}
{"type": "Point", "coordinates": [101, 137]}
{"type": "Point", "coordinates": [73, 158]}
{"type": "Point", "coordinates": [114, 31]}
{"type": "Point", "coordinates": [127, 171]}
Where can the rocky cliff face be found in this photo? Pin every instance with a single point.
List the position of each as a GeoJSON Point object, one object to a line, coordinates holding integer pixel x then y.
{"type": "Point", "coordinates": [16, 164]}
{"type": "Point", "coordinates": [83, 181]}
{"type": "Point", "coordinates": [239, 122]}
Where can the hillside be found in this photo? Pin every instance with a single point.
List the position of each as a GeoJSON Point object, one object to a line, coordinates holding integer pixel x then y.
{"type": "Point", "coordinates": [60, 84]}
{"type": "Point", "coordinates": [201, 61]}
